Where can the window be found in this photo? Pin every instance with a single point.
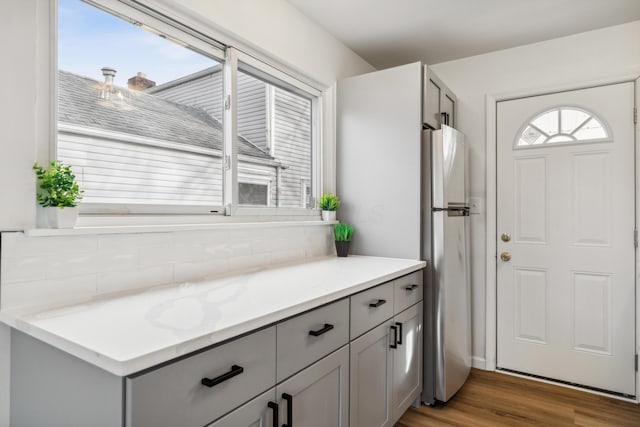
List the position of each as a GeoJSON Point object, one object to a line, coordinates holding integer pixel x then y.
{"type": "Point", "coordinates": [144, 118]}
{"type": "Point", "coordinates": [561, 126]}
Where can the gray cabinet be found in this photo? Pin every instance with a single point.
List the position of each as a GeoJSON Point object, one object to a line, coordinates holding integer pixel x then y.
{"type": "Point", "coordinates": [318, 396]}
{"type": "Point", "coordinates": [407, 360]}
{"type": "Point", "coordinates": [437, 99]}
{"type": "Point", "coordinates": [175, 394]}
{"type": "Point", "coordinates": [259, 412]}
{"type": "Point", "coordinates": [386, 362]}
{"type": "Point", "coordinates": [371, 378]}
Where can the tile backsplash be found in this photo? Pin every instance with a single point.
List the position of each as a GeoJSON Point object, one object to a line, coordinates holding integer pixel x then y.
{"type": "Point", "coordinates": [49, 271]}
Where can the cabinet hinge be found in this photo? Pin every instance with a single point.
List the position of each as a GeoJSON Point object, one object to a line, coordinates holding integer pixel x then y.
{"type": "Point", "coordinates": [636, 363]}
{"type": "Point", "coordinates": [227, 102]}
{"type": "Point", "coordinates": [635, 115]}
{"type": "Point", "coordinates": [635, 238]}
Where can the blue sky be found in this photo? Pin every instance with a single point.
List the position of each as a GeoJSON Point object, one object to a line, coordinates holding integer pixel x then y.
{"type": "Point", "coordinates": [89, 39]}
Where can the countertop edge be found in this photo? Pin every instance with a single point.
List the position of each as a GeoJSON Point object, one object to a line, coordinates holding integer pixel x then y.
{"type": "Point", "coordinates": [131, 366]}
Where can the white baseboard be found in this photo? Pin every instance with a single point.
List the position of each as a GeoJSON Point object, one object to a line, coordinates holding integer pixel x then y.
{"type": "Point", "coordinates": [478, 362]}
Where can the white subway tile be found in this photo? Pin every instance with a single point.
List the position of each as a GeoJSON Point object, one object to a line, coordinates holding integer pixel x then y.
{"type": "Point", "coordinates": [47, 293]}
{"type": "Point", "coordinates": [196, 270]}
{"type": "Point", "coordinates": [18, 245]}
{"type": "Point", "coordinates": [21, 269]}
{"type": "Point", "coordinates": [111, 242]}
{"type": "Point", "coordinates": [241, 263]}
{"type": "Point", "coordinates": [117, 281]}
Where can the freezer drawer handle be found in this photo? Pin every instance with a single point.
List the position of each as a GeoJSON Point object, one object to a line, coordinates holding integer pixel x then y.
{"type": "Point", "coordinates": [399, 333]}
{"type": "Point", "coordinates": [327, 327]}
{"type": "Point", "coordinates": [274, 407]}
{"type": "Point", "coordinates": [377, 303]}
{"type": "Point", "coordinates": [210, 382]}
{"type": "Point", "coordinates": [411, 287]}
{"type": "Point", "coordinates": [395, 337]}
{"type": "Point", "coordinates": [289, 399]}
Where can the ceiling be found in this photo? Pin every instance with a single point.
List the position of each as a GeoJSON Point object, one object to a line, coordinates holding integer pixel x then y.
{"type": "Point", "coordinates": [393, 32]}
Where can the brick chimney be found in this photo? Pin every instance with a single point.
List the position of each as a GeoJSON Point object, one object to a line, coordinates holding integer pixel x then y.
{"type": "Point", "coordinates": [140, 82]}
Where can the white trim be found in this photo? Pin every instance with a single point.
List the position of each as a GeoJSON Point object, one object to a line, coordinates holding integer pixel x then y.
{"type": "Point", "coordinates": [637, 164]}
{"type": "Point", "coordinates": [230, 126]}
{"type": "Point", "coordinates": [167, 228]}
{"type": "Point", "coordinates": [559, 384]}
{"type": "Point", "coordinates": [491, 101]}
{"type": "Point", "coordinates": [479, 363]}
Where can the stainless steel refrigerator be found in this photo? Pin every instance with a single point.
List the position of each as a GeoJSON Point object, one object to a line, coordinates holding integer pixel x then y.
{"type": "Point", "coordinates": [386, 166]}
{"type": "Point", "coordinates": [447, 308]}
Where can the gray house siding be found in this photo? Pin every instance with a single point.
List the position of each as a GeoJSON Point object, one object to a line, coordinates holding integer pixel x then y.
{"type": "Point", "coordinates": [288, 114]}
{"type": "Point", "coordinates": [121, 172]}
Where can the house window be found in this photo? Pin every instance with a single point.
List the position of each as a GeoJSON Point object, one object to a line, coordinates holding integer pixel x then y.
{"type": "Point", "coordinates": [141, 117]}
{"type": "Point", "coordinates": [563, 125]}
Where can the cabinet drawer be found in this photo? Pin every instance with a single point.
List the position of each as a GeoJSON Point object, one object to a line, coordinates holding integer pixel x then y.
{"type": "Point", "coordinates": [175, 396]}
{"type": "Point", "coordinates": [408, 291]}
{"type": "Point", "coordinates": [306, 338]}
{"type": "Point", "coordinates": [370, 308]}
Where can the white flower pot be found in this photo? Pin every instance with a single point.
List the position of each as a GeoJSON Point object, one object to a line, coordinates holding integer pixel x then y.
{"type": "Point", "coordinates": [328, 215]}
{"type": "Point", "coordinates": [62, 217]}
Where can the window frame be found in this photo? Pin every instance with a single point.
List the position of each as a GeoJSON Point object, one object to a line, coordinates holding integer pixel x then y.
{"type": "Point", "coordinates": [173, 28]}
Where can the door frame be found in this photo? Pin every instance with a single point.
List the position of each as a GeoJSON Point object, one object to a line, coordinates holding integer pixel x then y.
{"type": "Point", "coordinates": [491, 254]}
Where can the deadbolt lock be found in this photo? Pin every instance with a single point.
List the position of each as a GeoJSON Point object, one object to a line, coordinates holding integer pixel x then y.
{"type": "Point", "coordinates": [505, 237]}
{"type": "Point", "coordinates": [505, 256]}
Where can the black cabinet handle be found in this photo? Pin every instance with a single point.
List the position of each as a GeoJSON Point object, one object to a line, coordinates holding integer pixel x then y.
{"type": "Point", "coordinates": [210, 382]}
{"type": "Point", "coordinates": [274, 407]}
{"type": "Point", "coordinates": [399, 332]}
{"type": "Point", "coordinates": [289, 399]}
{"type": "Point", "coordinates": [377, 303]}
{"type": "Point", "coordinates": [327, 327]}
{"type": "Point", "coordinates": [395, 337]}
{"type": "Point", "coordinates": [410, 287]}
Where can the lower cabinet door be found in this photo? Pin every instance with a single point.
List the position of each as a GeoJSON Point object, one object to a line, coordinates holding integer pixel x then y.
{"type": "Point", "coordinates": [407, 359]}
{"type": "Point", "coordinates": [371, 376]}
{"type": "Point", "coordinates": [259, 412]}
{"type": "Point", "coordinates": [317, 396]}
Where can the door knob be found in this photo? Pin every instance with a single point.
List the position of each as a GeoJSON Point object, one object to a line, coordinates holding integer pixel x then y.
{"type": "Point", "coordinates": [505, 237]}
{"type": "Point", "coordinates": [505, 256]}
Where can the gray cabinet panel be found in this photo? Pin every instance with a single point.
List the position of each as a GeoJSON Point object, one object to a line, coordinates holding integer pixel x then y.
{"type": "Point", "coordinates": [255, 413]}
{"type": "Point", "coordinates": [371, 378]}
{"type": "Point", "coordinates": [320, 393]}
{"type": "Point", "coordinates": [297, 348]}
{"type": "Point", "coordinates": [51, 388]}
{"type": "Point", "coordinates": [408, 291]}
{"type": "Point", "coordinates": [407, 360]}
{"type": "Point", "coordinates": [365, 317]}
{"type": "Point", "coordinates": [174, 396]}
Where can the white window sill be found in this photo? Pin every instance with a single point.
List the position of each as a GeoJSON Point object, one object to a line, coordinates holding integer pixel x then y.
{"type": "Point", "coordinates": [165, 228]}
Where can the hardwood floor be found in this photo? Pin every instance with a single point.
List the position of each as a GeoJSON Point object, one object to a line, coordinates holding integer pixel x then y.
{"type": "Point", "coordinates": [494, 399]}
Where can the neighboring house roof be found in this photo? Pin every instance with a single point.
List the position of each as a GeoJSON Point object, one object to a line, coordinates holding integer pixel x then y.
{"type": "Point", "coordinates": [141, 114]}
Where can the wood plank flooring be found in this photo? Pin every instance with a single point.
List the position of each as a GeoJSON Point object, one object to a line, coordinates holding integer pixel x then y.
{"type": "Point", "coordinates": [494, 399]}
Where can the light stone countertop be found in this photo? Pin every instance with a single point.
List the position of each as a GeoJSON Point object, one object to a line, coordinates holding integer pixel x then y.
{"type": "Point", "coordinates": [129, 333]}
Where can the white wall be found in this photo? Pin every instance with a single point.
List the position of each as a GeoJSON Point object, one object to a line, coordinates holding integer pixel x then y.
{"type": "Point", "coordinates": [25, 106]}
{"type": "Point", "coordinates": [569, 61]}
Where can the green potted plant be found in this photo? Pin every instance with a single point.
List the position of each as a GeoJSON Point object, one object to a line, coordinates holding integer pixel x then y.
{"type": "Point", "coordinates": [329, 203]}
{"type": "Point", "coordinates": [342, 234]}
{"type": "Point", "coordinates": [58, 193]}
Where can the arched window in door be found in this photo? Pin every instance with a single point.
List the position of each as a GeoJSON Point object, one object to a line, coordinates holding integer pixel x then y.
{"type": "Point", "coordinates": [562, 125]}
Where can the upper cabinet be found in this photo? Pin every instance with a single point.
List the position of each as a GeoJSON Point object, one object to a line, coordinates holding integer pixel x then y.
{"type": "Point", "coordinates": [439, 103]}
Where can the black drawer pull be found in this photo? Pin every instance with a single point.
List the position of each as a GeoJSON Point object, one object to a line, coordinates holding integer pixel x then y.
{"type": "Point", "coordinates": [377, 303]}
{"type": "Point", "coordinates": [327, 327]}
{"type": "Point", "coordinates": [395, 337]}
{"type": "Point", "coordinates": [411, 287]}
{"type": "Point", "coordinates": [274, 407]}
{"type": "Point", "coordinates": [399, 332]}
{"type": "Point", "coordinates": [289, 399]}
{"type": "Point", "coordinates": [210, 382]}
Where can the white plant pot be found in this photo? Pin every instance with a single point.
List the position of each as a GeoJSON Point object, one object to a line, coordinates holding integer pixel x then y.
{"type": "Point", "coordinates": [328, 215]}
{"type": "Point", "coordinates": [62, 217]}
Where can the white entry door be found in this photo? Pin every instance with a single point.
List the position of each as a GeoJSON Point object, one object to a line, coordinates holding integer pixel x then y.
{"type": "Point", "coordinates": [565, 225]}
